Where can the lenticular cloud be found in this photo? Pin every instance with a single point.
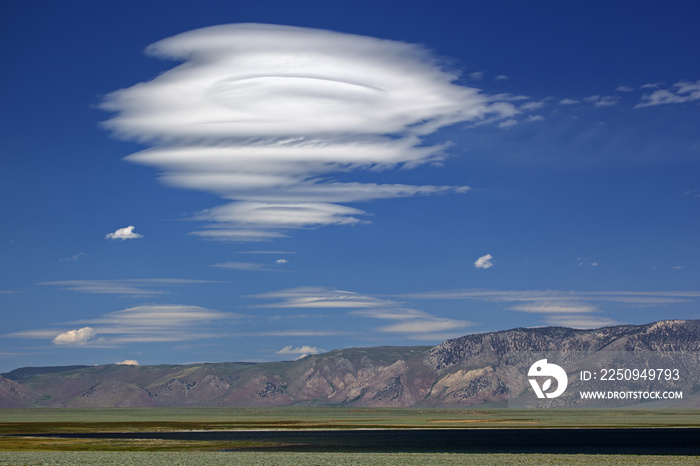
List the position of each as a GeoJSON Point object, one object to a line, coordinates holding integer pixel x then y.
{"type": "Point", "coordinates": [262, 115]}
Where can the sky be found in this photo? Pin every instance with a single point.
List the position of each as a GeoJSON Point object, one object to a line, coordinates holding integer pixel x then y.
{"type": "Point", "coordinates": [215, 181]}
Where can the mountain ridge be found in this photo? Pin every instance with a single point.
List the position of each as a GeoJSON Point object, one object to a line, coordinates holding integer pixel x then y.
{"type": "Point", "coordinates": [469, 370]}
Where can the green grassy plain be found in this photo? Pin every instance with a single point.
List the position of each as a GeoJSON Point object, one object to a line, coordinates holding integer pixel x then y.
{"type": "Point", "coordinates": [36, 458]}
{"type": "Point", "coordinates": [46, 420]}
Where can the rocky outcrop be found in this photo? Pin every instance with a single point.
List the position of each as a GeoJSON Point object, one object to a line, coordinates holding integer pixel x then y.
{"type": "Point", "coordinates": [491, 348]}
{"type": "Point", "coordinates": [111, 393]}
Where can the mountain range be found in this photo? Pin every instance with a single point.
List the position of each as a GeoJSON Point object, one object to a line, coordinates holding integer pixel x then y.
{"type": "Point", "coordinates": [466, 371]}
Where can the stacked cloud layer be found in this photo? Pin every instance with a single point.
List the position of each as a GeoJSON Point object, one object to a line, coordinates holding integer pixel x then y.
{"type": "Point", "coordinates": [262, 115]}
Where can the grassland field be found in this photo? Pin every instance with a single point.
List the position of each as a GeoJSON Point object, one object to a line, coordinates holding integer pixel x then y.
{"type": "Point", "coordinates": [21, 440]}
{"type": "Point", "coordinates": [110, 458]}
{"type": "Point", "coordinates": [47, 420]}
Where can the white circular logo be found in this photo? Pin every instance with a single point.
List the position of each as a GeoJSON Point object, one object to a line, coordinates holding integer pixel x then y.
{"type": "Point", "coordinates": [542, 369]}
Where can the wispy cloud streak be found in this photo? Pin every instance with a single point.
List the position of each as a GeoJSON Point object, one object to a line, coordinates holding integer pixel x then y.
{"type": "Point", "coordinates": [578, 309]}
{"type": "Point", "coordinates": [126, 287]}
{"type": "Point", "coordinates": [247, 266]}
{"type": "Point", "coordinates": [409, 322]}
{"type": "Point", "coordinates": [139, 324]}
{"type": "Point", "coordinates": [681, 92]}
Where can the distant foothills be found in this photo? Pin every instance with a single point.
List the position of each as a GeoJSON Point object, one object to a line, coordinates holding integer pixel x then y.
{"type": "Point", "coordinates": [466, 371]}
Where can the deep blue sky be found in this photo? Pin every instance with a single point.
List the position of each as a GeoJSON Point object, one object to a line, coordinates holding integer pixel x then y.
{"type": "Point", "coordinates": [583, 195]}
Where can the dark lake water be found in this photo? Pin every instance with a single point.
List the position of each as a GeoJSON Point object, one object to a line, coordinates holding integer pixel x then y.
{"type": "Point", "coordinates": [643, 441]}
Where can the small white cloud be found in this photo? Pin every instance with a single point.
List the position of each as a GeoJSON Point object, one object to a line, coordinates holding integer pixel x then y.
{"type": "Point", "coordinates": [124, 233]}
{"type": "Point", "coordinates": [484, 262]}
{"type": "Point", "coordinates": [301, 351]}
{"type": "Point", "coordinates": [569, 101]}
{"type": "Point", "coordinates": [532, 118]}
{"type": "Point", "coordinates": [501, 77]}
{"type": "Point", "coordinates": [75, 337]}
{"type": "Point", "coordinates": [625, 88]}
{"type": "Point", "coordinates": [281, 261]}
{"type": "Point", "coordinates": [127, 362]}
{"type": "Point", "coordinates": [477, 75]}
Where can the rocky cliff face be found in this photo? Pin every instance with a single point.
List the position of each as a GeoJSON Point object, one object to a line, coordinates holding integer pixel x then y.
{"type": "Point", "coordinates": [470, 370]}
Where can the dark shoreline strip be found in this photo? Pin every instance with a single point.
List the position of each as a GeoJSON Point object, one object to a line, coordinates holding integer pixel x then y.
{"type": "Point", "coordinates": [635, 441]}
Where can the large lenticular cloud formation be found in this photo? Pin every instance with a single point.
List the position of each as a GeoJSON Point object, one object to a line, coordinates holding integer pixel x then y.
{"type": "Point", "coordinates": [262, 115]}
